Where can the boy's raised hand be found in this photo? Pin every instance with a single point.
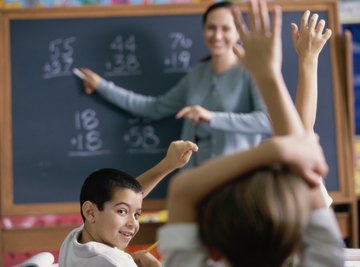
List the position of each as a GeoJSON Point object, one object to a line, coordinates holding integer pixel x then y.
{"type": "Point", "coordinates": [303, 154]}
{"type": "Point", "coordinates": [179, 153]}
{"type": "Point", "coordinates": [311, 38]}
{"type": "Point", "coordinates": [261, 41]}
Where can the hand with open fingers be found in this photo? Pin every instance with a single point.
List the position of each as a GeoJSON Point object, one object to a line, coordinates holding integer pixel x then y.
{"type": "Point", "coordinates": [144, 258]}
{"type": "Point", "coordinates": [311, 38]}
{"type": "Point", "coordinates": [179, 153]}
{"type": "Point", "coordinates": [91, 81]}
{"type": "Point", "coordinates": [195, 114]}
{"type": "Point", "coordinates": [261, 40]}
{"type": "Point", "coordinates": [303, 154]}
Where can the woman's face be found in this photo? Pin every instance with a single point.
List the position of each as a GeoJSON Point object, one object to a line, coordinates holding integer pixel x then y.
{"type": "Point", "coordinates": [220, 33]}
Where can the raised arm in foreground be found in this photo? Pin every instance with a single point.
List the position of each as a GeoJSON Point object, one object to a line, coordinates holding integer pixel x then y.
{"type": "Point", "coordinates": [308, 41]}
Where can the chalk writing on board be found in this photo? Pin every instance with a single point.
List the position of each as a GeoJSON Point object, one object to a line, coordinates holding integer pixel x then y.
{"type": "Point", "coordinates": [60, 60]}
{"type": "Point", "coordinates": [87, 140]}
{"type": "Point", "coordinates": [141, 137]}
{"type": "Point", "coordinates": [180, 56]}
{"type": "Point", "coordinates": [124, 60]}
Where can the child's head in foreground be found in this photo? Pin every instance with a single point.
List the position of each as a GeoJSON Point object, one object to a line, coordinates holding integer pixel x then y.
{"type": "Point", "coordinates": [110, 202]}
{"type": "Point", "coordinates": [256, 220]}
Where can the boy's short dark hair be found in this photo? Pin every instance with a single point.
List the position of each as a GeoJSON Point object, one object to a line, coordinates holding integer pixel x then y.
{"type": "Point", "coordinates": [99, 186]}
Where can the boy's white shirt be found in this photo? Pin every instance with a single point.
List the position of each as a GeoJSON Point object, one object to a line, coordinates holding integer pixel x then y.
{"type": "Point", "coordinates": [91, 254]}
{"type": "Point", "coordinates": [327, 197]}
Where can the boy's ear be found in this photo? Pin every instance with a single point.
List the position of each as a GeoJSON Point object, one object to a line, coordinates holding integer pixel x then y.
{"type": "Point", "coordinates": [89, 211]}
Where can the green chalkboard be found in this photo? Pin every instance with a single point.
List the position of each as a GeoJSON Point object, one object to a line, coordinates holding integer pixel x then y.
{"type": "Point", "coordinates": [59, 134]}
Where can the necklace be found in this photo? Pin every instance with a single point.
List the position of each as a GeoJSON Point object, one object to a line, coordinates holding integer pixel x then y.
{"type": "Point", "coordinates": [86, 230]}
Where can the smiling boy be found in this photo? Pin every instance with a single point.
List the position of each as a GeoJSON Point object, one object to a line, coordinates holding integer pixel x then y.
{"type": "Point", "coordinates": [111, 203]}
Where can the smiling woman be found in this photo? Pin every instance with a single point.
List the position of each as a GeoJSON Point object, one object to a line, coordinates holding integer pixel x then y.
{"type": "Point", "coordinates": [220, 36]}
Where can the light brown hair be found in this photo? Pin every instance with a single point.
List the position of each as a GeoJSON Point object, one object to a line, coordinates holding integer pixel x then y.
{"type": "Point", "coordinates": [256, 220]}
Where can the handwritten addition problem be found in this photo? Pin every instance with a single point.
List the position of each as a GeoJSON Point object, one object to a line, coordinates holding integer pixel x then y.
{"type": "Point", "coordinates": [87, 141]}
{"type": "Point", "coordinates": [61, 58]}
{"type": "Point", "coordinates": [180, 56]}
{"type": "Point", "coordinates": [124, 60]}
{"type": "Point", "coordinates": [141, 136]}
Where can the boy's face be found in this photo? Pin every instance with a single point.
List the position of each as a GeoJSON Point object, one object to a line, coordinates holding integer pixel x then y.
{"type": "Point", "coordinates": [118, 222]}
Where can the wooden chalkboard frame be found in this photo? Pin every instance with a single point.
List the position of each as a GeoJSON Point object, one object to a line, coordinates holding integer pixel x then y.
{"type": "Point", "coordinates": [8, 207]}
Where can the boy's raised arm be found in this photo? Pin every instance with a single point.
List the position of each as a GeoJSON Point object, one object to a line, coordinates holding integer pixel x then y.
{"type": "Point", "coordinates": [308, 41]}
{"type": "Point", "coordinates": [188, 188]}
{"type": "Point", "coordinates": [178, 154]}
{"type": "Point", "coordinates": [263, 42]}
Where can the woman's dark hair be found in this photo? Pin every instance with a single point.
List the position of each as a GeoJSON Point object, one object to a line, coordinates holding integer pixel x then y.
{"type": "Point", "coordinates": [205, 16]}
{"type": "Point", "coordinates": [213, 7]}
{"type": "Point", "coordinates": [99, 186]}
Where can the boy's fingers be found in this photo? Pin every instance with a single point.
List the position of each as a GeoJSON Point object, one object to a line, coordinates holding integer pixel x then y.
{"type": "Point", "coordinates": [254, 15]}
{"type": "Point", "coordinates": [304, 20]}
{"type": "Point", "coordinates": [320, 27]}
{"type": "Point", "coordinates": [327, 34]}
{"type": "Point", "coordinates": [277, 22]}
{"type": "Point", "coordinates": [239, 51]}
{"type": "Point", "coordinates": [239, 22]}
{"type": "Point", "coordinates": [294, 33]}
{"type": "Point", "coordinates": [313, 21]}
{"type": "Point", "coordinates": [265, 20]}
{"type": "Point", "coordinates": [312, 178]}
{"type": "Point", "coordinates": [192, 146]}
